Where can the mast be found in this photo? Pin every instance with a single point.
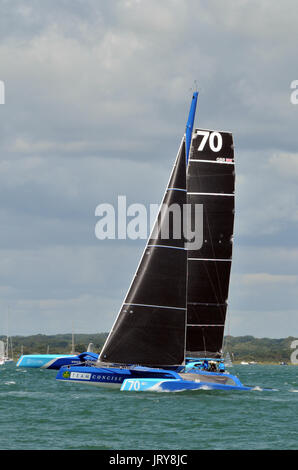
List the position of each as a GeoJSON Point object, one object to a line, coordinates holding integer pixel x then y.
{"type": "Point", "coordinates": [188, 139]}
{"type": "Point", "coordinates": [72, 341]}
{"type": "Point", "coordinates": [190, 123]}
{"type": "Point", "coordinates": [8, 338]}
{"type": "Point", "coordinates": [2, 351]}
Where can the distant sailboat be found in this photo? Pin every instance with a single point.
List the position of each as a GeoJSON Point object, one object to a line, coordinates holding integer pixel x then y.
{"type": "Point", "coordinates": [7, 356]}
{"type": "Point", "coordinates": [2, 353]}
{"type": "Point", "coordinates": [9, 351]}
{"type": "Point", "coordinates": [170, 327]}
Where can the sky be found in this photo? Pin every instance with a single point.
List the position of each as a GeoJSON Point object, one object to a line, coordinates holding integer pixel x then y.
{"type": "Point", "coordinates": [96, 101]}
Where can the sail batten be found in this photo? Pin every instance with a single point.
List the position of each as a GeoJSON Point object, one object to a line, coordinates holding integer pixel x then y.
{"type": "Point", "coordinates": [155, 306]}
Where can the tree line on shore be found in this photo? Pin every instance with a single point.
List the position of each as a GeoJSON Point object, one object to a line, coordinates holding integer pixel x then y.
{"type": "Point", "coordinates": [240, 348]}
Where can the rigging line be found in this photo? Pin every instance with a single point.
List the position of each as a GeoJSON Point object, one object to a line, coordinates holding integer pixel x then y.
{"type": "Point", "coordinates": [186, 310]}
{"type": "Point", "coordinates": [211, 283]}
{"type": "Point", "coordinates": [217, 273]}
{"type": "Point", "coordinates": [229, 332]}
{"type": "Point", "coordinates": [212, 247]}
{"type": "Point", "coordinates": [222, 313]}
{"type": "Point", "coordinates": [204, 341]}
{"type": "Point", "coordinates": [205, 264]}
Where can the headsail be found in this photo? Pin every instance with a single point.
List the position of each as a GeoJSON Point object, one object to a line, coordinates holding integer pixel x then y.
{"type": "Point", "coordinates": [210, 181]}
{"type": "Point", "coordinates": [150, 327]}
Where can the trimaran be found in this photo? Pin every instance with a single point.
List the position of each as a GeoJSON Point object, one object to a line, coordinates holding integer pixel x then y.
{"type": "Point", "coordinates": [170, 327]}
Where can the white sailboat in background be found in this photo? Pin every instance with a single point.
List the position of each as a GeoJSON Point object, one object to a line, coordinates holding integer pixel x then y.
{"type": "Point", "coordinates": [8, 348]}
{"type": "Point", "coordinates": [2, 352]}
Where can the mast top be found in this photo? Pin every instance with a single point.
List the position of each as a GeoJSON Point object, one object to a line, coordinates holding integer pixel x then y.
{"type": "Point", "coordinates": [190, 123]}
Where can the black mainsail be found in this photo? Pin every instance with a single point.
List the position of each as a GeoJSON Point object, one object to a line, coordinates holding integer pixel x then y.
{"type": "Point", "coordinates": [150, 327]}
{"type": "Point", "coordinates": [176, 304]}
{"type": "Point", "coordinates": [210, 182]}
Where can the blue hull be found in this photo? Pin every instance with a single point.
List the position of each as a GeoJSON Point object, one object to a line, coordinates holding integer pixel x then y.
{"type": "Point", "coordinates": [148, 379]}
{"type": "Point", "coordinates": [109, 376]}
{"type": "Point", "coordinates": [53, 361]}
{"type": "Point", "coordinates": [175, 385]}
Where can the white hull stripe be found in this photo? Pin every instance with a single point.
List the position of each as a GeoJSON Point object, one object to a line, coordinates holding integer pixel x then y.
{"type": "Point", "coordinates": [155, 306]}
{"type": "Point", "coordinates": [212, 161]}
{"type": "Point", "coordinates": [209, 259]}
{"type": "Point", "coordinates": [212, 194]}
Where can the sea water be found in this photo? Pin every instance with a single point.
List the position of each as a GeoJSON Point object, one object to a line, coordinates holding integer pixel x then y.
{"type": "Point", "coordinates": [39, 413]}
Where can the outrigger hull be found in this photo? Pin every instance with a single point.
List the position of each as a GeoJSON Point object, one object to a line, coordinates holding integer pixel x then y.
{"type": "Point", "coordinates": [46, 361]}
{"type": "Point", "coordinates": [54, 361]}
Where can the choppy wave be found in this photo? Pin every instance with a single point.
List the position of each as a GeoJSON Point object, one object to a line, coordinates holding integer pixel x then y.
{"type": "Point", "coordinates": [37, 412]}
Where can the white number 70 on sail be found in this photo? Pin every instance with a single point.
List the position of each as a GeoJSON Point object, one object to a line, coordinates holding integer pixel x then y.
{"type": "Point", "coordinates": [215, 145]}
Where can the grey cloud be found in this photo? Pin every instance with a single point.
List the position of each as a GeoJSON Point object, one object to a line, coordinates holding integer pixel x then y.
{"type": "Point", "coordinates": [97, 96]}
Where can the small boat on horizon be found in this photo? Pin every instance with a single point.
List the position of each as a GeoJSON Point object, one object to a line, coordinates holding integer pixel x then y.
{"type": "Point", "coordinates": [6, 348]}
{"type": "Point", "coordinates": [4, 352]}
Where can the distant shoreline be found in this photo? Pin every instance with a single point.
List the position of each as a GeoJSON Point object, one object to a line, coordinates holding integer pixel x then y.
{"type": "Point", "coordinates": [241, 348]}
